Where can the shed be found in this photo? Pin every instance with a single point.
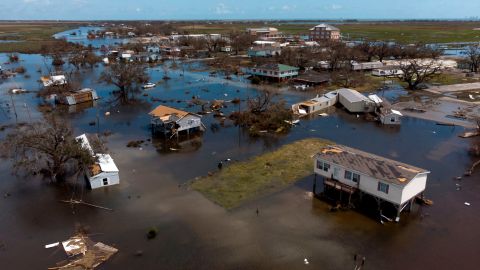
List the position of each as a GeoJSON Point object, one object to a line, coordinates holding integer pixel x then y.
{"type": "Point", "coordinates": [104, 172]}
{"type": "Point", "coordinates": [169, 120]}
{"type": "Point", "coordinates": [390, 117]}
{"type": "Point", "coordinates": [353, 170]}
{"type": "Point", "coordinates": [355, 102]}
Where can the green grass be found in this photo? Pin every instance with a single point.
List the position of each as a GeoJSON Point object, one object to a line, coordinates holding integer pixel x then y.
{"type": "Point", "coordinates": [31, 36]}
{"type": "Point", "coordinates": [261, 175]}
{"type": "Point", "coordinates": [411, 32]}
{"type": "Point", "coordinates": [402, 32]}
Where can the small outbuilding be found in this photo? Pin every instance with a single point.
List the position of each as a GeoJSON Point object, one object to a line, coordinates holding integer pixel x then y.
{"type": "Point", "coordinates": [54, 80]}
{"type": "Point", "coordinates": [104, 172]}
{"type": "Point", "coordinates": [167, 120]}
{"type": "Point", "coordinates": [390, 117]}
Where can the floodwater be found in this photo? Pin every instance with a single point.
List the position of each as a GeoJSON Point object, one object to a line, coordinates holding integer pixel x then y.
{"type": "Point", "coordinates": [81, 33]}
{"type": "Point", "coordinates": [193, 232]}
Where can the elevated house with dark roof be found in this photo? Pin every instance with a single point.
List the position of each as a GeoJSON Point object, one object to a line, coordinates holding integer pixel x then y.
{"type": "Point", "coordinates": [276, 72]}
{"type": "Point", "coordinates": [353, 171]}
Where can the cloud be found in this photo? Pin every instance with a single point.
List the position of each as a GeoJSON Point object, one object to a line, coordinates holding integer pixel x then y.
{"type": "Point", "coordinates": [221, 9]}
{"type": "Point", "coordinates": [334, 7]}
{"type": "Point", "coordinates": [138, 9]}
{"type": "Point", "coordinates": [288, 8]}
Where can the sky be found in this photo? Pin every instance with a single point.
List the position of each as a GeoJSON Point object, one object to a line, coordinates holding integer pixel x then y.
{"type": "Point", "coordinates": [236, 9]}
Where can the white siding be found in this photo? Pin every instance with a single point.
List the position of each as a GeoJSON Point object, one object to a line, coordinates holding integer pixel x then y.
{"type": "Point", "coordinates": [189, 121]}
{"type": "Point", "coordinates": [366, 184]}
{"type": "Point", "coordinates": [97, 180]}
{"type": "Point", "coordinates": [416, 186]}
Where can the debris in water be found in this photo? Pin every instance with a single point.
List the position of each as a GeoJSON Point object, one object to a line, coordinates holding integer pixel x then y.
{"type": "Point", "coordinates": [84, 253]}
{"type": "Point", "coordinates": [107, 113]}
{"type": "Point", "coordinates": [305, 261]}
{"type": "Point", "coordinates": [467, 203]}
{"type": "Point", "coordinates": [52, 245]}
{"type": "Point", "coordinates": [152, 233]}
{"type": "Point", "coordinates": [323, 114]}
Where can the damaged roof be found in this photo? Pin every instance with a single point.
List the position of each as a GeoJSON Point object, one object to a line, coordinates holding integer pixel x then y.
{"type": "Point", "coordinates": [162, 111]}
{"type": "Point", "coordinates": [375, 166]}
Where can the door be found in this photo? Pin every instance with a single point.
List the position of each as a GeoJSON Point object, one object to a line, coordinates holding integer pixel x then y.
{"type": "Point", "coordinates": [336, 173]}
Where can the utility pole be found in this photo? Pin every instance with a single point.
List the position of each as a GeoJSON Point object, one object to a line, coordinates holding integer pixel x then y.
{"type": "Point", "coordinates": [14, 109]}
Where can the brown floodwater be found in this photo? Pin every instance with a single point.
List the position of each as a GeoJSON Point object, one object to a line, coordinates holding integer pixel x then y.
{"type": "Point", "coordinates": [194, 233]}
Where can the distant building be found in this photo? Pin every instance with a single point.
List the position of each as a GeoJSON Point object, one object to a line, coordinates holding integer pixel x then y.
{"type": "Point", "coordinates": [264, 51]}
{"type": "Point", "coordinates": [275, 71]}
{"type": "Point", "coordinates": [352, 171]}
{"type": "Point", "coordinates": [104, 172]}
{"type": "Point", "coordinates": [167, 120]}
{"type": "Point", "coordinates": [264, 32]}
{"type": "Point", "coordinates": [324, 32]}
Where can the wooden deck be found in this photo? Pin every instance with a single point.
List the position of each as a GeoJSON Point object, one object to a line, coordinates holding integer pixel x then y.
{"type": "Point", "coordinates": [340, 186]}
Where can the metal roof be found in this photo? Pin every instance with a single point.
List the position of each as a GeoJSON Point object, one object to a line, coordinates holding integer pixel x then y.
{"type": "Point", "coordinates": [378, 167]}
{"type": "Point", "coordinates": [326, 26]}
{"type": "Point", "coordinates": [278, 67]}
{"type": "Point", "coordinates": [352, 95]}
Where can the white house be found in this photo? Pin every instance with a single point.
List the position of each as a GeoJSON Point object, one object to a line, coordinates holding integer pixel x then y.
{"type": "Point", "coordinates": [169, 120]}
{"type": "Point", "coordinates": [352, 170]}
{"type": "Point", "coordinates": [366, 65]}
{"type": "Point", "coordinates": [387, 71]}
{"type": "Point", "coordinates": [104, 172]}
{"type": "Point", "coordinates": [274, 71]}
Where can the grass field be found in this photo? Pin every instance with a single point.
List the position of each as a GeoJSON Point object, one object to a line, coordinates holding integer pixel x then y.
{"type": "Point", "coordinates": [261, 175]}
{"type": "Point", "coordinates": [29, 36]}
{"type": "Point", "coordinates": [402, 32]}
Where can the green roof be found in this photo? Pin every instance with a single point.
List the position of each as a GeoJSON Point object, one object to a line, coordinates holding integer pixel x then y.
{"type": "Point", "coordinates": [278, 67]}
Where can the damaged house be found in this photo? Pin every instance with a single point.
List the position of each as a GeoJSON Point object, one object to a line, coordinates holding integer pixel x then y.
{"type": "Point", "coordinates": [104, 172]}
{"type": "Point", "coordinates": [76, 97]}
{"type": "Point", "coordinates": [352, 171]}
{"type": "Point", "coordinates": [166, 120]}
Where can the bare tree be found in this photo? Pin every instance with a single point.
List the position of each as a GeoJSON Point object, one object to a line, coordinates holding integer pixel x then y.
{"type": "Point", "coordinates": [241, 41]}
{"type": "Point", "coordinates": [46, 147]}
{"type": "Point", "coordinates": [473, 57]}
{"type": "Point", "coordinates": [127, 77]}
{"type": "Point", "coordinates": [416, 71]}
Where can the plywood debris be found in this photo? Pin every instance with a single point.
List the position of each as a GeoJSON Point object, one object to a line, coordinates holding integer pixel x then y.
{"type": "Point", "coordinates": [84, 253]}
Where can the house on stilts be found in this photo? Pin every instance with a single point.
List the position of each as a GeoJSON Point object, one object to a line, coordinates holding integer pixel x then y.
{"type": "Point", "coordinates": [170, 121]}
{"type": "Point", "coordinates": [353, 172]}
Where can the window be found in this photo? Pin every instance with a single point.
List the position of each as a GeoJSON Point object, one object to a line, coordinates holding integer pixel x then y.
{"type": "Point", "coordinates": [355, 177]}
{"type": "Point", "coordinates": [105, 181]}
{"type": "Point", "coordinates": [323, 166]}
{"type": "Point", "coordinates": [382, 187]}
